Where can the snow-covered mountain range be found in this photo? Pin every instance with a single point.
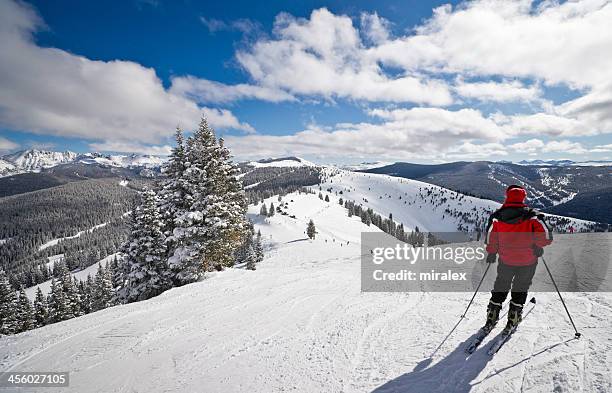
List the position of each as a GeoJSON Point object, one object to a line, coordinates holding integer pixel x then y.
{"type": "Point", "coordinates": [34, 160]}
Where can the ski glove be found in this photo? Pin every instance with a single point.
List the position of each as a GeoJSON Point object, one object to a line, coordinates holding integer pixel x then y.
{"type": "Point", "coordinates": [491, 258]}
{"type": "Point", "coordinates": [538, 251]}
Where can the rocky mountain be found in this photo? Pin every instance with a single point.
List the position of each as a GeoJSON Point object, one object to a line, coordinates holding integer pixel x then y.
{"type": "Point", "coordinates": [33, 160]}
{"type": "Point", "coordinates": [36, 161]}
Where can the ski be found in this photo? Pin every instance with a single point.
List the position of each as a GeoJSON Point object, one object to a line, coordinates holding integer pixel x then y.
{"type": "Point", "coordinates": [506, 334]}
{"type": "Point", "coordinates": [501, 340]}
{"type": "Point", "coordinates": [481, 335]}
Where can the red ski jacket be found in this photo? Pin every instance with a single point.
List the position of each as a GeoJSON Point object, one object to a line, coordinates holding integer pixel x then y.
{"type": "Point", "coordinates": [514, 230]}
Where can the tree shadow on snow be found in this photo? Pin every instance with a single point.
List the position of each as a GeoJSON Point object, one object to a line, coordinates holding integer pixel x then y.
{"type": "Point", "coordinates": [454, 373]}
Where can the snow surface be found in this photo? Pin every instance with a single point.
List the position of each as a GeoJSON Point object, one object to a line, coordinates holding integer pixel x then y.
{"type": "Point", "coordinates": [53, 242]}
{"type": "Point", "coordinates": [300, 323]}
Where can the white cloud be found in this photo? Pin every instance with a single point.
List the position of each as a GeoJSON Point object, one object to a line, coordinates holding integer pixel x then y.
{"type": "Point", "coordinates": [564, 146]}
{"type": "Point", "coordinates": [204, 90]}
{"type": "Point", "coordinates": [416, 133]}
{"type": "Point", "coordinates": [375, 28]}
{"type": "Point", "coordinates": [324, 56]}
{"type": "Point", "coordinates": [530, 147]}
{"type": "Point", "coordinates": [507, 91]}
{"type": "Point", "coordinates": [127, 147]}
{"type": "Point", "coordinates": [558, 43]}
{"type": "Point", "coordinates": [602, 148]}
{"type": "Point", "coordinates": [222, 118]}
{"type": "Point", "coordinates": [7, 145]}
{"type": "Point", "coordinates": [50, 91]}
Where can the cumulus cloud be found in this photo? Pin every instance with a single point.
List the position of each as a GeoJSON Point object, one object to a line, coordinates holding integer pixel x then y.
{"type": "Point", "coordinates": [564, 146]}
{"type": "Point", "coordinates": [128, 147]}
{"type": "Point", "coordinates": [325, 56]}
{"type": "Point", "coordinates": [205, 90]}
{"type": "Point", "coordinates": [558, 43]}
{"type": "Point", "coordinates": [375, 28]}
{"type": "Point", "coordinates": [51, 91]}
{"type": "Point", "coordinates": [415, 133]}
{"type": "Point", "coordinates": [530, 147]}
{"type": "Point", "coordinates": [507, 91]}
{"type": "Point", "coordinates": [7, 145]}
{"type": "Point", "coordinates": [223, 118]}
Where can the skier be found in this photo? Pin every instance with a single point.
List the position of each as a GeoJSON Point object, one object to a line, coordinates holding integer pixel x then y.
{"type": "Point", "coordinates": [517, 234]}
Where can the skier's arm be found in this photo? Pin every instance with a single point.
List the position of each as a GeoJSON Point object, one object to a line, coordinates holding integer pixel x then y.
{"type": "Point", "coordinates": [542, 235]}
{"type": "Point", "coordinates": [492, 238]}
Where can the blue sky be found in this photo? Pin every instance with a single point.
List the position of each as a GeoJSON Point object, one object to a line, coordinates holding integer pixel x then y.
{"type": "Point", "coordinates": [332, 81]}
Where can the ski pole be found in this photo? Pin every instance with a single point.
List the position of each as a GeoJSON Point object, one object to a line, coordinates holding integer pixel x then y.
{"type": "Point", "coordinates": [477, 288]}
{"type": "Point", "coordinates": [577, 335]}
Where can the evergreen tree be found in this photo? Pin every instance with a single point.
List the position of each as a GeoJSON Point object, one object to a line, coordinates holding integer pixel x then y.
{"type": "Point", "coordinates": [326, 198]}
{"type": "Point", "coordinates": [86, 294]}
{"type": "Point", "coordinates": [264, 210]}
{"type": "Point", "coordinates": [25, 313]}
{"type": "Point", "coordinates": [250, 257]}
{"type": "Point", "coordinates": [208, 232]}
{"type": "Point", "coordinates": [71, 292]}
{"type": "Point", "coordinates": [102, 290]}
{"type": "Point", "coordinates": [311, 231]}
{"type": "Point", "coordinates": [145, 254]}
{"type": "Point", "coordinates": [8, 306]}
{"type": "Point", "coordinates": [59, 305]}
{"type": "Point", "coordinates": [258, 248]}
{"type": "Point", "coordinates": [272, 210]}
{"type": "Point", "coordinates": [174, 198]}
{"type": "Point", "coordinates": [41, 312]}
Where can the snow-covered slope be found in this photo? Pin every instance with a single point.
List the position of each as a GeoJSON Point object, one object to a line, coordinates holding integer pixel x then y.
{"type": "Point", "coordinates": [6, 167]}
{"type": "Point", "coordinates": [300, 323]}
{"type": "Point", "coordinates": [415, 203]}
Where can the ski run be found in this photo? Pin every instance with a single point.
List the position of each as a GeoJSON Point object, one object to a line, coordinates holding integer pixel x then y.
{"type": "Point", "coordinates": [301, 323]}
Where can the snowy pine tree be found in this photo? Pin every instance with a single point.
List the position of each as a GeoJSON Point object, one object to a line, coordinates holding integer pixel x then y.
{"type": "Point", "coordinates": [311, 230]}
{"type": "Point", "coordinates": [264, 210]}
{"type": "Point", "coordinates": [250, 257]}
{"type": "Point", "coordinates": [8, 306]}
{"type": "Point", "coordinates": [41, 312]}
{"type": "Point", "coordinates": [59, 305]}
{"type": "Point", "coordinates": [209, 230]}
{"type": "Point", "coordinates": [145, 253]}
{"type": "Point", "coordinates": [102, 290]}
{"type": "Point", "coordinates": [25, 313]}
{"type": "Point", "coordinates": [272, 210]}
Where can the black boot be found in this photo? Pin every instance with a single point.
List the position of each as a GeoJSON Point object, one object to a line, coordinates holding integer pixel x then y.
{"type": "Point", "coordinates": [515, 316]}
{"type": "Point", "coordinates": [493, 310]}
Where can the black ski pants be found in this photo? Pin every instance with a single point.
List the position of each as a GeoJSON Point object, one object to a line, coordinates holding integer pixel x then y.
{"type": "Point", "coordinates": [517, 278]}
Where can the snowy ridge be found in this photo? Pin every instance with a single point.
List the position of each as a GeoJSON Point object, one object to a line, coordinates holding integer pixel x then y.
{"type": "Point", "coordinates": [299, 322]}
{"type": "Point", "coordinates": [418, 204]}
{"type": "Point", "coordinates": [123, 161]}
{"type": "Point", "coordinates": [34, 160]}
{"type": "Point", "coordinates": [284, 162]}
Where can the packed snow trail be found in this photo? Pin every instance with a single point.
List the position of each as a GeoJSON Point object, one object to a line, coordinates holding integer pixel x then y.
{"type": "Point", "coordinates": [300, 323]}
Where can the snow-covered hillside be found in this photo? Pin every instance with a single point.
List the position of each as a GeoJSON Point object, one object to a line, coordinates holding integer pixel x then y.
{"type": "Point", "coordinates": [300, 323]}
{"type": "Point", "coordinates": [415, 203]}
{"type": "Point", "coordinates": [33, 159]}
